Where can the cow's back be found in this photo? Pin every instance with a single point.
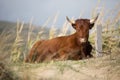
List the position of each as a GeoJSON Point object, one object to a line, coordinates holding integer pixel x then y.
{"type": "Point", "coordinates": [52, 45]}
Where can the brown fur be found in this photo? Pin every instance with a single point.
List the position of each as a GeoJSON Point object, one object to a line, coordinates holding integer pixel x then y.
{"type": "Point", "coordinates": [65, 47]}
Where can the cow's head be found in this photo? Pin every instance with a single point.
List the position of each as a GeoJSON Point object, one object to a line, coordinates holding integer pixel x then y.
{"type": "Point", "coordinates": [82, 27]}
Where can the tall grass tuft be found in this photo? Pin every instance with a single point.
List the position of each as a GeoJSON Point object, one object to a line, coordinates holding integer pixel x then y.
{"type": "Point", "coordinates": [52, 31]}
{"type": "Point", "coordinates": [5, 44]}
{"type": "Point", "coordinates": [17, 48]}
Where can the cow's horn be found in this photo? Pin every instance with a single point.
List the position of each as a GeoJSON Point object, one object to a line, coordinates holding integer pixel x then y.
{"type": "Point", "coordinates": [71, 21]}
{"type": "Point", "coordinates": [93, 20]}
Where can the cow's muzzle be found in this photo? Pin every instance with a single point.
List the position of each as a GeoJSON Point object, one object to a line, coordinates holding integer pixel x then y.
{"type": "Point", "coordinates": [83, 40]}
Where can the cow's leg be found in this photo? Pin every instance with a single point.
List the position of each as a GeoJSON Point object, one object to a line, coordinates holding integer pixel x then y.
{"type": "Point", "coordinates": [68, 54]}
{"type": "Point", "coordinates": [84, 50]}
{"type": "Point", "coordinates": [75, 55]}
{"type": "Point", "coordinates": [40, 58]}
{"type": "Point", "coordinates": [33, 52]}
{"type": "Point", "coordinates": [83, 53]}
{"type": "Point", "coordinates": [87, 50]}
{"type": "Point", "coordinates": [62, 54]}
{"type": "Point", "coordinates": [44, 56]}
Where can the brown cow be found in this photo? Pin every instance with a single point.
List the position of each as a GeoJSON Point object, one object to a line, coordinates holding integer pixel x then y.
{"type": "Point", "coordinates": [74, 47]}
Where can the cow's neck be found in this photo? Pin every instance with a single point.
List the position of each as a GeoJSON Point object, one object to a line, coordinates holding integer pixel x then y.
{"type": "Point", "coordinates": [77, 39]}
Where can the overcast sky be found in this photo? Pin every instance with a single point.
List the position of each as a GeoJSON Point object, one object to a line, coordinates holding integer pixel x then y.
{"type": "Point", "coordinates": [40, 10]}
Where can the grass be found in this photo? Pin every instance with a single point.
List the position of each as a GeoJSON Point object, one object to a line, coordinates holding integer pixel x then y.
{"type": "Point", "coordinates": [91, 68]}
{"type": "Point", "coordinates": [17, 41]}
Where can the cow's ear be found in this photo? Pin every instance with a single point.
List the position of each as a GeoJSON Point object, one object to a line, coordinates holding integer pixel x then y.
{"type": "Point", "coordinates": [72, 22]}
{"type": "Point", "coordinates": [74, 26]}
{"type": "Point", "coordinates": [91, 25]}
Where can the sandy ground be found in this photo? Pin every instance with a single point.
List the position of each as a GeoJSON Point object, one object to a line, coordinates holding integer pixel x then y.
{"type": "Point", "coordinates": [103, 68]}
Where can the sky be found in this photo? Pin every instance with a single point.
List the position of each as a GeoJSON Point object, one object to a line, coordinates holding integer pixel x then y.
{"type": "Point", "coordinates": [41, 10]}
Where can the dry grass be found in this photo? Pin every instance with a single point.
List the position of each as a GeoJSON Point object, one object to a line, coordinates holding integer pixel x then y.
{"type": "Point", "coordinates": [15, 47]}
{"type": "Point", "coordinates": [103, 68]}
